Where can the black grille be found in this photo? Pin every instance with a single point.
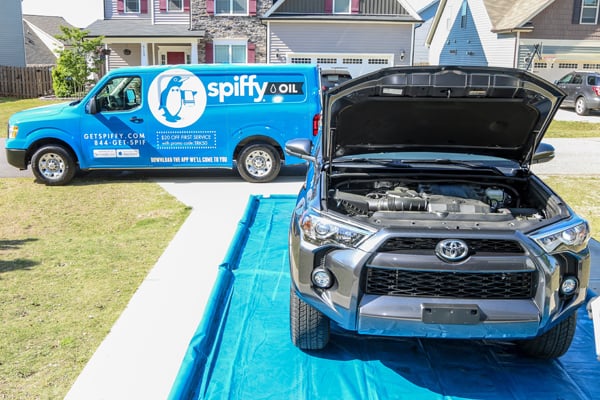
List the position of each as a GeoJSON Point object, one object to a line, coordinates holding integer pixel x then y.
{"type": "Point", "coordinates": [401, 244]}
{"type": "Point", "coordinates": [462, 285]}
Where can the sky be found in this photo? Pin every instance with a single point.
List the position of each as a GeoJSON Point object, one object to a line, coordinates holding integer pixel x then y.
{"type": "Point", "coordinates": [79, 13]}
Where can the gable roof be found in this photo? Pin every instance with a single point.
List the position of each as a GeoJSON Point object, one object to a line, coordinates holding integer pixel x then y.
{"type": "Point", "coordinates": [510, 15]}
{"type": "Point", "coordinates": [370, 10]}
{"type": "Point", "coordinates": [39, 32]}
{"type": "Point", "coordinates": [505, 15]}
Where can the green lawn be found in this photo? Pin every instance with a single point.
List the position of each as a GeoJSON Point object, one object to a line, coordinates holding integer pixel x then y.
{"type": "Point", "coordinates": [71, 257]}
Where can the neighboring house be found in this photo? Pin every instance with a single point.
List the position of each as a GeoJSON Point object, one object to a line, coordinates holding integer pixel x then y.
{"type": "Point", "coordinates": [12, 48]}
{"type": "Point", "coordinates": [427, 12]}
{"type": "Point", "coordinates": [568, 35]}
{"type": "Point", "coordinates": [41, 45]}
{"type": "Point", "coordinates": [147, 32]}
{"type": "Point", "coordinates": [358, 35]}
{"type": "Point", "coordinates": [548, 37]}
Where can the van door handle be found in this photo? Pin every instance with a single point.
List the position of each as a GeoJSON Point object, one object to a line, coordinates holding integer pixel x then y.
{"type": "Point", "coordinates": [136, 120]}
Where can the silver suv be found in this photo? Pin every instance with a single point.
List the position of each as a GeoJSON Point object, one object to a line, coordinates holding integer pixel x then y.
{"type": "Point", "coordinates": [420, 216]}
{"type": "Point", "coordinates": [582, 89]}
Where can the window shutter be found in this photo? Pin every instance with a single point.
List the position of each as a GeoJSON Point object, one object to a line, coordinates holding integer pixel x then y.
{"type": "Point", "coordinates": [210, 7]}
{"type": "Point", "coordinates": [328, 6]}
{"type": "Point", "coordinates": [252, 7]}
{"type": "Point", "coordinates": [251, 53]}
{"type": "Point", "coordinates": [186, 5]}
{"type": "Point", "coordinates": [576, 12]}
{"type": "Point", "coordinates": [162, 5]}
{"type": "Point", "coordinates": [144, 7]}
{"type": "Point", "coordinates": [120, 6]}
{"type": "Point", "coordinates": [208, 53]}
{"type": "Point", "coordinates": [355, 6]}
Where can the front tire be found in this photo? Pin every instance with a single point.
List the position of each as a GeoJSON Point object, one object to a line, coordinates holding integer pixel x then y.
{"type": "Point", "coordinates": [580, 106]}
{"type": "Point", "coordinates": [553, 343]}
{"type": "Point", "coordinates": [259, 163]}
{"type": "Point", "coordinates": [53, 165]}
{"type": "Point", "coordinates": [309, 328]}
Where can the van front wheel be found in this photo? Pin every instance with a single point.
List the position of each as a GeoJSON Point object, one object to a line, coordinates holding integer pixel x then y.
{"type": "Point", "coordinates": [53, 165]}
{"type": "Point", "coordinates": [259, 163]}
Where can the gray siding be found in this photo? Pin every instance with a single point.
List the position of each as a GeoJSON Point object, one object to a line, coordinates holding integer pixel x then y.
{"type": "Point", "coordinates": [12, 42]}
{"type": "Point", "coordinates": [381, 7]}
{"type": "Point", "coordinates": [367, 7]}
{"type": "Point", "coordinates": [341, 38]}
{"type": "Point", "coordinates": [161, 17]}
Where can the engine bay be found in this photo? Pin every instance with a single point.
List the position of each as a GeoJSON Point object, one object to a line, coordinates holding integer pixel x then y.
{"type": "Point", "coordinates": [390, 201]}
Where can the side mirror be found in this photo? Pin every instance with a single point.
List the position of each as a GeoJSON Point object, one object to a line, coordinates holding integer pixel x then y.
{"type": "Point", "coordinates": [91, 107]}
{"type": "Point", "coordinates": [543, 153]}
{"type": "Point", "coordinates": [130, 94]}
{"type": "Point", "coordinates": [300, 148]}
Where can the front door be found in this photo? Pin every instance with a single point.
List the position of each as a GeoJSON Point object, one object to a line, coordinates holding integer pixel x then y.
{"type": "Point", "coordinates": [175, 57]}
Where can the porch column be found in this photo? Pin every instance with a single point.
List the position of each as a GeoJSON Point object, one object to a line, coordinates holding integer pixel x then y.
{"type": "Point", "coordinates": [194, 52]}
{"type": "Point", "coordinates": [144, 52]}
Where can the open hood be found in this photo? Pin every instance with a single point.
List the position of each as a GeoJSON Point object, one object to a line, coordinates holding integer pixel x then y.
{"type": "Point", "coordinates": [486, 111]}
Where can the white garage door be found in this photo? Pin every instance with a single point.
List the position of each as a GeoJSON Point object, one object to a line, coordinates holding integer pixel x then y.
{"type": "Point", "coordinates": [356, 64]}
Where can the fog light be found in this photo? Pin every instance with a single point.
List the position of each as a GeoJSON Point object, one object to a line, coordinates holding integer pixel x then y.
{"type": "Point", "coordinates": [569, 286]}
{"type": "Point", "coordinates": [322, 278]}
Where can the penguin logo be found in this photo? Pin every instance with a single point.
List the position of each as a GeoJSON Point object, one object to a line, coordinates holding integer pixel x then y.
{"type": "Point", "coordinates": [177, 98]}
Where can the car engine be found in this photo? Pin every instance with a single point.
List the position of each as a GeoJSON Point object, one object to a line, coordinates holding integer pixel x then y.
{"type": "Point", "coordinates": [386, 201]}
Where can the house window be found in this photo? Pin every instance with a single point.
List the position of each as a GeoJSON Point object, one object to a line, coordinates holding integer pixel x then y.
{"type": "Point", "coordinates": [132, 6]}
{"type": "Point", "coordinates": [175, 5]}
{"type": "Point", "coordinates": [230, 52]}
{"type": "Point", "coordinates": [463, 15]}
{"type": "Point", "coordinates": [589, 11]}
{"type": "Point", "coordinates": [231, 7]}
{"type": "Point", "coordinates": [341, 6]}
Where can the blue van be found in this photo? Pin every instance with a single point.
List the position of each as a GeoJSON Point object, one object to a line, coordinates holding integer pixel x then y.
{"type": "Point", "coordinates": [186, 116]}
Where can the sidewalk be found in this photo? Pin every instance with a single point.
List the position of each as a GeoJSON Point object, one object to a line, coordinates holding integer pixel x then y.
{"type": "Point", "coordinates": [141, 356]}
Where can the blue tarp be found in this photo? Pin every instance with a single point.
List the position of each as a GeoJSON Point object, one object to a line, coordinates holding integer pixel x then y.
{"type": "Point", "coordinates": [242, 348]}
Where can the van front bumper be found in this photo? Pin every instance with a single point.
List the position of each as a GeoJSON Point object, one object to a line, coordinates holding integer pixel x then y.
{"type": "Point", "coordinates": [17, 158]}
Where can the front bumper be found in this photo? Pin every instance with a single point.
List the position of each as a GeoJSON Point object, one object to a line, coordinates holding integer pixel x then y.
{"type": "Point", "coordinates": [419, 308]}
{"type": "Point", "coordinates": [17, 158]}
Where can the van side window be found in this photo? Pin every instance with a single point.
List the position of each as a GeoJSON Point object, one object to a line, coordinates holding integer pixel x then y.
{"type": "Point", "coordinates": [120, 94]}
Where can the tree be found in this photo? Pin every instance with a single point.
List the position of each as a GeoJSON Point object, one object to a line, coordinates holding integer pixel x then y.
{"type": "Point", "coordinates": [76, 63]}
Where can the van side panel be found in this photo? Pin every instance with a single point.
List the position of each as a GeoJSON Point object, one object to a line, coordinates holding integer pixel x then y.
{"type": "Point", "coordinates": [196, 116]}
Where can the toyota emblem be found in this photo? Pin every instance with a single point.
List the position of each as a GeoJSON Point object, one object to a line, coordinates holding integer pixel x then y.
{"type": "Point", "coordinates": [452, 250]}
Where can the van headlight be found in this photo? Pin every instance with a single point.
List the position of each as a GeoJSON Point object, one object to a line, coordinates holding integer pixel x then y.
{"type": "Point", "coordinates": [321, 230]}
{"type": "Point", "coordinates": [567, 238]}
{"type": "Point", "coordinates": [13, 130]}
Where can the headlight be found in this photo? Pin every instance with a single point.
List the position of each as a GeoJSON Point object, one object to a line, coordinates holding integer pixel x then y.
{"type": "Point", "coordinates": [320, 230]}
{"type": "Point", "coordinates": [13, 130]}
{"type": "Point", "coordinates": [571, 237]}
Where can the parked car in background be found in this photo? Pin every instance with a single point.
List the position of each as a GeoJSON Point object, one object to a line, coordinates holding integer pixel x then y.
{"type": "Point", "coordinates": [420, 216]}
{"type": "Point", "coordinates": [333, 77]}
{"type": "Point", "coordinates": [582, 89]}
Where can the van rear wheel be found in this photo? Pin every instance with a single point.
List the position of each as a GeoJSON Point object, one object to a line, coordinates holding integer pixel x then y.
{"type": "Point", "coordinates": [259, 163]}
{"type": "Point", "coordinates": [53, 165]}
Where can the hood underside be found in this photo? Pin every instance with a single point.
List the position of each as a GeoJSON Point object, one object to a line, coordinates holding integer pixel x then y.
{"type": "Point", "coordinates": [473, 110]}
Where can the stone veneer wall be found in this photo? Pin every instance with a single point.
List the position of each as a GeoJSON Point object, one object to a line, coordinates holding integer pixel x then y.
{"type": "Point", "coordinates": [228, 27]}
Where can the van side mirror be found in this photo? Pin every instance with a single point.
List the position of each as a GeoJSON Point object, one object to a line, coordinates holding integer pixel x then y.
{"type": "Point", "coordinates": [300, 148]}
{"type": "Point", "coordinates": [130, 94]}
{"type": "Point", "coordinates": [91, 107]}
{"type": "Point", "coordinates": [543, 153]}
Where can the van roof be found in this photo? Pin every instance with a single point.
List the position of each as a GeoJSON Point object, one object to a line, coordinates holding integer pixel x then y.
{"type": "Point", "coordinates": [217, 67]}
